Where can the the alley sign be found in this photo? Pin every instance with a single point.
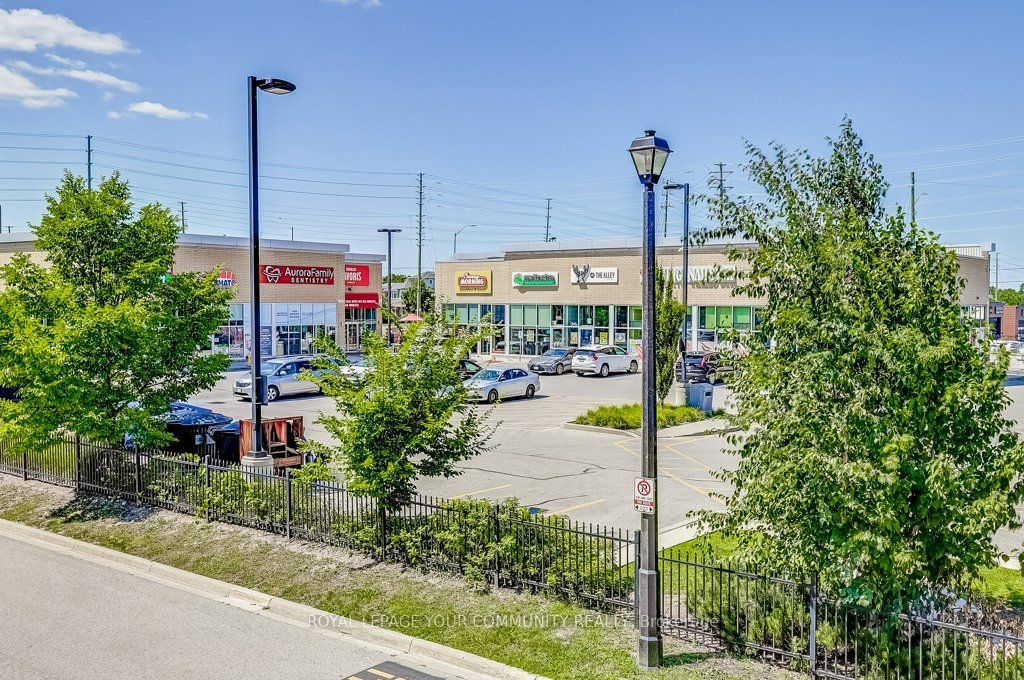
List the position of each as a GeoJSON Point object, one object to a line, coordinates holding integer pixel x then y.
{"type": "Point", "coordinates": [584, 273]}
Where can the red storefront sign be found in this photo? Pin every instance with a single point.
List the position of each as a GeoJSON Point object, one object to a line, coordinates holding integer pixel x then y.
{"type": "Point", "coordinates": [357, 275]}
{"type": "Point", "coordinates": [294, 274]}
{"type": "Point", "coordinates": [362, 300]}
{"type": "Point", "coordinates": [225, 279]}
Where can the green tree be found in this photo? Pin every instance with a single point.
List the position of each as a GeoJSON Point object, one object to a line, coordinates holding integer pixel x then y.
{"type": "Point", "coordinates": [1008, 296]}
{"type": "Point", "coordinates": [875, 450]}
{"type": "Point", "coordinates": [99, 339]}
{"type": "Point", "coordinates": [395, 278]}
{"type": "Point", "coordinates": [406, 417]}
{"type": "Point", "coordinates": [426, 299]}
{"type": "Point", "coordinates": [670, 315]}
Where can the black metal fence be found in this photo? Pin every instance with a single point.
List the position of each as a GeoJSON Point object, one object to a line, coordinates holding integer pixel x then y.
{"type": "Point", "coordinates": [724, 605]}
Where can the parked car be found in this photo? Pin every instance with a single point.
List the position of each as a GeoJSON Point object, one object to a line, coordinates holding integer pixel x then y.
{"type": "Point", "coordinates": [282, 376]}
{"type": "Point", "coordinates": [603, 359]}
{"type": "Point", "coordinates": [557, 361]}
{"type": "Point", "coordinates": [702, 367]}
{"type": "Point", "coordinates": [467, 369]}
{"type": "Point", "coordinates": [501, 382]}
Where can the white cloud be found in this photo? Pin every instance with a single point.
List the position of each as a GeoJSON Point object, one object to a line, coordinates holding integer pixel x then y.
{"type": "Point", "coordinates": [17, 87]}
{"type": "Point", "coordinates": [26, 30]}
{"type": "Point", "coordinates": [107, 96]}
{"type": "Point", "coordinates": [158, 110]}
{"type": "Point", "coordinates": [64, 61]}
{"type": "Point", "coordinates": [86, 75]}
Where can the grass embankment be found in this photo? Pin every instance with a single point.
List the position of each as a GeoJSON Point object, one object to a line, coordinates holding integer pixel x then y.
{"type": "Point", "coordinates": [996, 584]}
{"type": "Point", "coordinates": [556, 639]}
{"type": "Point", "coordinates": [627, 416]}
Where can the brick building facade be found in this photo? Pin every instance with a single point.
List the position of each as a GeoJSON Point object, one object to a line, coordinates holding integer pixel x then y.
{"type": "Point", "coordinates": [307, 289]}
{"type": "Point", "coordinates": [573, 293]}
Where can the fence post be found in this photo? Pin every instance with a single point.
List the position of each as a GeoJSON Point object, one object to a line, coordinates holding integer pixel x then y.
{"type": "Point", "coordinates": [813, 631]}
{"type": "Point", "coordinates": [138, 476]}
{"type": "Point", "coordinates": [78, 463]}
{"type": "Point", "coordinates": [288, 503]}
{"type": "Point", "coordinates": [24, 464]}
{"type": "Point", "coordinates": [497, 544]}
{"type": "Point", "coordinates": [382, 517]}
{"type": "Point", "coordinates": [636, 576]}
{"type": "Point", "coordinates": [206, 482]}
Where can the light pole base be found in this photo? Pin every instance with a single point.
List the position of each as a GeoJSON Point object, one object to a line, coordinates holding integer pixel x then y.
{"type": "Point", "coordinates": [257, 463]}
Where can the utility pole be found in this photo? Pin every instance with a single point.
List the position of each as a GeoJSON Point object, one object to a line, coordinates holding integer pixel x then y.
{"type": "Point", "coordinates": [913, 199]}
{"type": "Point", "coordinates": [88, 161]}
{"type": "Point", "coordinates": [391, 277]}
{"type": "Point", "coordinates": [997, 276]}
{"type": "Point", "coordinates": [664, 219]}
{"type": "Point", "coordinates": [547, 224]}
{"type": "Point", "coordinates": [183, 215]}
{"type": "Point", "coordinates": [719, 184]}
{"type": "Point", "coordinates": [419, 253]}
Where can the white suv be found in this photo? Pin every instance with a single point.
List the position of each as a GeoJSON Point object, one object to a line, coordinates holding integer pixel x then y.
{"type": "Point", "coordinates": [604, 359]}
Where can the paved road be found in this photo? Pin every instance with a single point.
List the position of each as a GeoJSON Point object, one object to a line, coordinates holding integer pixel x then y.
{"type": "Point", "coordinates": [62, 617]}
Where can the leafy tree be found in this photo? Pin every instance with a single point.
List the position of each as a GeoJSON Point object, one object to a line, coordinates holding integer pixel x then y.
{"type": "Point", "coordinates": [426, 299]}
{"type": "Point", "coordinates": [407, 417]}
{"type": "Point", "coordinates": [1008, 295]}
{"type": "Point", "coordinates": [395, 278]}
{"type": "Point", "coordinates": [876, 451]}
{"type": "Point", "coordinates": [670, 315]}
{"type": "Point", "coordinates": [100, 339]}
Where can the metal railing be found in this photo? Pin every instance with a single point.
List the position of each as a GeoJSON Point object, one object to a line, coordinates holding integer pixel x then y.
{"type": "Point", "coordinates": [719, 604]}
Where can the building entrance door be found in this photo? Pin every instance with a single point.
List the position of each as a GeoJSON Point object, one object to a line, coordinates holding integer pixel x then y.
{"type": "Point", "coordinates": [586, 336]}
{"type": "Point", "coordinates": [352, 337]}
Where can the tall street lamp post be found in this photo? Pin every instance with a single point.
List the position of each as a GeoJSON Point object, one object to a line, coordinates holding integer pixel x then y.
{"type": "Point", "coordinates": [257, 458]}
{"type": "Point", "coordinates": [455, 239]}
{"type": "Point", "coordinates": [389, 232]}
{"type": "Point", "coordinates": [649, 155]}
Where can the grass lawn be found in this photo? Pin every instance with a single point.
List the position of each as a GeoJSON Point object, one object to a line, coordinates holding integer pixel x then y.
{"type": "Point", "coordinates": [997, 584]}
{"type": "Point", "coordinates": [553, 638]}
{"type": "Point", "coordinates": [627, 416]}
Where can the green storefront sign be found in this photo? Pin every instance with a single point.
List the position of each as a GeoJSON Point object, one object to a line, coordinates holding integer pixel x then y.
{"type": "Point", "coordinates": [535, 279]}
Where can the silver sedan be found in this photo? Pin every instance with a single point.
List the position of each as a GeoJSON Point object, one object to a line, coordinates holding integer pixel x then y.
{"type": "Point", "coordinates": [501, 382]}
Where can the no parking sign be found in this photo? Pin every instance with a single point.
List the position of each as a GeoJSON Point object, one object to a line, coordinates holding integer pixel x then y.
{"type": "Point", "coordinates": [643, 495]}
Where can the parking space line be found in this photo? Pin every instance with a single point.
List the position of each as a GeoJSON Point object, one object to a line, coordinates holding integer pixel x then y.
{"type": "Point", "coordinates": [687, 456]}
{"type": "Point", "coordinates": [573, 507]}
{"type": "Point", "coordinates": [477, 493]}
{"type": "Point", "coordinates": [681, 481]}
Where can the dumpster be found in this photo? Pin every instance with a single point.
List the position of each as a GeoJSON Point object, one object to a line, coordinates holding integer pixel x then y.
{"type": "Point", "coordinates": [700, 395]}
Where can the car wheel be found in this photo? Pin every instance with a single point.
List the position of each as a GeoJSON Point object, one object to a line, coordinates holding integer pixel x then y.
{"type": "Point", "coordinates": [273, 393]}
{"type": "Point", "coordinates": [530, 391]}
{"type": "Point", "coordinates": [633, 366]}
{"type": "Point", "coordinates": [492, 396]}
{"type": "Point", "coordinates": [604, 370]}
{"type": "Point", "coordinates": [559, 369]}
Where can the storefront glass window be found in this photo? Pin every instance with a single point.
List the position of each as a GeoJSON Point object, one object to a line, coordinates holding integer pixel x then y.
{"type": "Point", "coordinates": [530, 315]}
{"type": "Point", "coordinates": [586, 315]}
{"type": "Point", "coordinates": [636, 317]}
{"type": "Point", "coordinates": [557, 315]}
{"type": "Point", "coordinates": [544, 315]}
{"type": "Point", "coordinates": [572, 316]}
{"type": "Point", "coordinates": [724, 315]}
{"type": "Point", "coordinates": [601, 315]}
{"type": "Point", "coordinates": [474, 314]}
{"type": "Point", "coordinates": [449, 313]}
{"type": "Point", "coordinates": [621, 316]}
{"type": "Point", "coordinates": [516, 315]}
{"type": "Point", "coordinates": [741, 318]}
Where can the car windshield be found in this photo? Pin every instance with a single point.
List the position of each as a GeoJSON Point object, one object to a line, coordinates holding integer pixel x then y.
{"type": "Point", "coordinates": [270, 367]}
{"type": "Point", "coordinates": [555, 353]}
{"type": "Point", "coordinates": [486, 374]}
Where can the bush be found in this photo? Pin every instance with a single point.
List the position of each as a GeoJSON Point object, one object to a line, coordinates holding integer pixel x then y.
{"type": "Point", "coordinates": [627, 416]}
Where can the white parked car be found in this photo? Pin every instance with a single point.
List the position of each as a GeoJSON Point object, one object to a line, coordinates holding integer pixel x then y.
{"type": "Point", "coordinates": [502, 382]}
{"type": "Point", "coordinates": [604, 359]}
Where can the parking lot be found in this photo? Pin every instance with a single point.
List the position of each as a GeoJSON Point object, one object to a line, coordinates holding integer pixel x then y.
{"type": "Point", "coordinates": [587, 476]}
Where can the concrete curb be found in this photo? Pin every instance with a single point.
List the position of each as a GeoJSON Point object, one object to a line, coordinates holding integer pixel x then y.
{"type": "Point", "coordinates": [713, 426]}
{"type": "Point", "coordinates": [462, 664]}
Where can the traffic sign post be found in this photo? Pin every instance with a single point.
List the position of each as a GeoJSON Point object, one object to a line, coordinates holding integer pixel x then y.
{"type": "Point", "coordinates": [643, 495]}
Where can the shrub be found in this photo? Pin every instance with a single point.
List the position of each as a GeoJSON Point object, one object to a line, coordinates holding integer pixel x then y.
{"type": "Point", "coordinates": [627, 416]}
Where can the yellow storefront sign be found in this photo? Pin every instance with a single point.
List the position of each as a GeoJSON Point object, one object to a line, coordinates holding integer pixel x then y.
{"type": "Point", "coordinates": [473, 282]}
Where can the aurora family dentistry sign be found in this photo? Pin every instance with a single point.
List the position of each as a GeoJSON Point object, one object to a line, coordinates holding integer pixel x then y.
{"type": "Point", "coordinates": [286, 273]}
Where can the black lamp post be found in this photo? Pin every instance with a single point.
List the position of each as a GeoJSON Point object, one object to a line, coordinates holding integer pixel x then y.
{"type": "Point", "coordinates": [257, 458]}
{"type": "Point", "coordinates": [649, 155]}
{"type": "Point", "coordinates": [389, 232]}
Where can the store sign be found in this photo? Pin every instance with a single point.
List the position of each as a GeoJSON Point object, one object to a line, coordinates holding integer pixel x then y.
{"type": "Point", "coordinates": [362, 300]}
{"type": "Point", "coordinates": [473, 282]}
{"type": "Point", "coordinates": [535, 279]}
{"type": "Point", "coordinates": [585, 274]}
{"type": "Point", "coordinates": [225, 279]}
{"type": "Point", "coordinates": [287, 273]}
{"type": "Point", "coordinates": [699, 276]}
{"type": "Point", "coordinates": [357, 275]}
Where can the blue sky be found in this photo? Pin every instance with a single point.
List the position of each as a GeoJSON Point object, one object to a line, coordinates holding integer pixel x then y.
{"type": "Point", "coordinates": [503, 105]}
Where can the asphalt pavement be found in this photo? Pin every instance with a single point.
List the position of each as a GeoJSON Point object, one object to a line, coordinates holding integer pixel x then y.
{"type": "Point", "coordinates": [63, 617]}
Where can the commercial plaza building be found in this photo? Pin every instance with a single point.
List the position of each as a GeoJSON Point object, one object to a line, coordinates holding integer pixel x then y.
{"type": "Point", "coordinates": [573, 293]}
{"type": "Point", "coordinates": [307, 290]}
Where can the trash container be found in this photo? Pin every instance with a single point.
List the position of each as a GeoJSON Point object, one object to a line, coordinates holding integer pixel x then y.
{"type": "Point", "coordinates": [701, 395]}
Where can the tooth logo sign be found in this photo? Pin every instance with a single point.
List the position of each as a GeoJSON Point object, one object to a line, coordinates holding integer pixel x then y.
{"type": "Point", "coordinates": [272, 273]}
